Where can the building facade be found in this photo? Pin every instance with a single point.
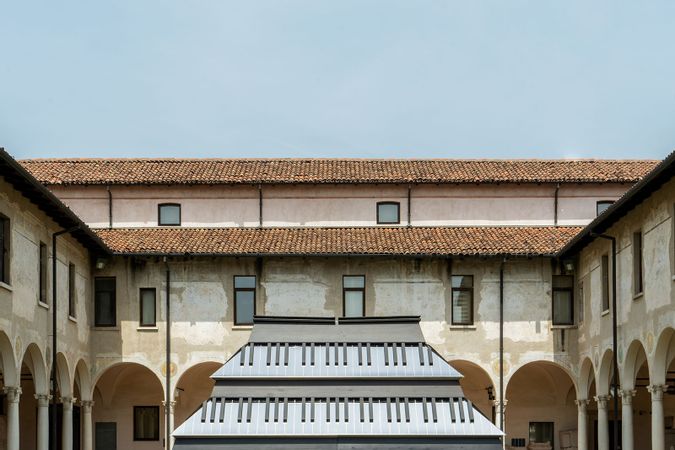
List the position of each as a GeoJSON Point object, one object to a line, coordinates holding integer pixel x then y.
{"type": "Point", "coordinates": [473, 247]}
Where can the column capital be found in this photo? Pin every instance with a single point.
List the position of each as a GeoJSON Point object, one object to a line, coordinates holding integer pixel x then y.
{"type": "Point", "coordinates": [87, 405]}
{"type": "Point", "coordinates": [13, 393]}
{"type": "Point", "coordinates": [68, 402]}
{"type": "Point", "coordinates": [657, 391]}
{"type": "Point", "coordinates": [627, 396]}
{"type": "Point", "coordinates": [602, 400]}
{"type": "Point", "coordinates": [172, 404]}
{"type": "Point", "coordinates": [582, 404]}
{"type": "Point", "coordinates": [43, 400]}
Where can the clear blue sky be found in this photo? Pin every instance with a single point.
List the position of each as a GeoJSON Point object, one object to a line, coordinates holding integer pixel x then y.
{"type": "Point", "coordinates": [352, 78]}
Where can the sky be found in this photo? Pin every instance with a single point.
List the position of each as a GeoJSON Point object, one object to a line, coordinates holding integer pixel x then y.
{"type": "Point", "coordinates": [338, 78]}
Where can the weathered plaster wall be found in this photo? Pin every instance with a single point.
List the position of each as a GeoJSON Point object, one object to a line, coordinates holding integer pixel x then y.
{"type": "Point", "coordinates": [339, 205]}
{"type": "Point", "coordinates": [23, 319]}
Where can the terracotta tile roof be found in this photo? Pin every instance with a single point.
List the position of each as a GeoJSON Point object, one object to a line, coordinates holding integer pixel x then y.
{"type": "Point", "coordinates": [276, 171]}
{"type": "Point", "coordinates": [422, 241]}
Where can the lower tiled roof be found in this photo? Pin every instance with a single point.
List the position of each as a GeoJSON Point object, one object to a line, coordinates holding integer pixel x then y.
{"type": "Point", "coordinates": [422, 241]}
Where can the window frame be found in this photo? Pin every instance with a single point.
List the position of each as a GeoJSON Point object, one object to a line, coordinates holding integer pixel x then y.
{"type": "Point", "coordinates": [114, 299]}
{"type": "Point", "coordinates": [159, 215]}
{"type": "Point", "coordinates": [352, 289]}
{"type": "Point", "coordinates": [138, 408]}
{"type": "Point", "coordinates": [604, 282]}
{"type": "Point", "coordinates": [72, 299]}
{"type": "Point", "coordinates": [638, 263]}
{"type": "Point", "coordinates": [5, 249]}
{"type": "Point", "coordinates": [43, 273]}
{"type": "Point", "coordinates": [609, 203]}
{"type": "Point", "coordinates": [255, 298]}
{"type": "Point", "coordinates": [388, 203]}
{"type": "Point", "coordinates": [140, 307]}
{"type": "Point", "coordinates": [569, 289]}
{"type": "Point", "coordinates": [581, 303]}
{"type": "Point", "coordinates": [452, 300]}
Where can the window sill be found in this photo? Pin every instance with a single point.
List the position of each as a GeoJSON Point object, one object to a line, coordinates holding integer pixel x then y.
{"type": "Point", "coordinates": [95, 328]}
{"type": "Point", "coordinates": [605, 312]}
{"type": "Point", "coordinates": [7, 287]}
{"type": "Point", "coordinates": [43, 305]}
{"type": "Point", "coordinates": [564, 327]}
{"type": "Point", "coordinates": [638, 296]}
{"type": "Point", "coordinates": [242, 327]}
{"type": "Point", "coordinates": [462, 327]}
{"type": "Point", "coordinates": [144, 328]}
{"type": "Point", "coordinates": [72, 319]}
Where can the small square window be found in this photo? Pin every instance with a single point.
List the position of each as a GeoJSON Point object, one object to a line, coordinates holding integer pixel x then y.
{"type": "Point", "coordinates": [388, 213]}
{"type": "Point", "coordinates": [602, 205]}
{"type": "Point", "coordinates": [146, 423]}
{"type": "Point", "coordinates": [169, 214]}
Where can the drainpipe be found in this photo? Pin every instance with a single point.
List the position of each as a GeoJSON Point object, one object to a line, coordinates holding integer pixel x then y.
{"type": "Point", "coordinates": [615, 364]}
{"type": "Point", "coordinates": [52, 434]}
{"type": "Point", "coordinates": [409, 205]}
{"type": "Point", "coordinates": [168, 406]}
{"type": "Point", "coordinates": [555, 205]}
{"type": "Point", "coordinates": [110, 207]}
{"type": "Point", "coordinates": [260, 206]}
{"type": "Point", "coordinates": [501, 344]}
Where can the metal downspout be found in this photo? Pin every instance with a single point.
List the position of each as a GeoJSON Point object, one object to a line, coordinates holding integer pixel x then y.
{"type": "Point", "coordinates": [555, 205]}
{"type": "Point", "coordinates": [167, 407]}
{"type": "Point", "coordinates": [501, 345]}
{"type": "Point", "coordinates": [110, 207]}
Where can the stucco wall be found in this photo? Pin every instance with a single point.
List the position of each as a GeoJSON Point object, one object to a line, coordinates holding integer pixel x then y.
{"type": "Point", "coordinates": [338, 205]}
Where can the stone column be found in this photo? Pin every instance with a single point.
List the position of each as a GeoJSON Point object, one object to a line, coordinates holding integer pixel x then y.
{"type": "Point", "coordinates": [169, 425]}
{"type": "Point", "coordinates": [603, 422]}
{"type": "Point", "coordinates": [498, 412]}
{"type": "Point", "coordinates": [627, 440]}
{"type": "Point", "coordinates": [13, 395]}
{"type": "Point", "coordinates": [87, 436]}
{"type": "Point", "coordinates": [582, 424]}
{"type": "Point", "coordinates": [43, 421]}
{"type": "Point", "coordinates": [658, 426]}
{"type": "Point", "coordinates": [67, 429]}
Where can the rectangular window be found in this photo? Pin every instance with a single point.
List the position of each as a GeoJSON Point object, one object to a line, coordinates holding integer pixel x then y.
{"type": "Point", "coordinates": [462, 299]}
{"type": "Point", "coordinates": [146, 423]}
{"type": "Point", "coordinates": [388, 212]}
{"type": "Point", "coordinates": [71, 291]}
{"type": "Point", "coordinates": [354, 295]}
{"type": "Point", "coordinates": [541, 433]}
{"type": "Point", "coordinates": [244, 299]}
{"type": "Point", "coordinates": [605, 282]}
{"type": "Point", "coordinates": [563, 300]}
{"type": "Point", "coordinates": [148, 298]}
{"type": "Point", "coordinates": [106, 435]}
{"type": "Point", "coordinates": [638, 279]}
{"type": "Point", "coordinates": [105, 307]}
{"type": "Point", "coordinates": [169, 214]}
{"type": "Point", "coordinates": [601, 206]}
{"type": "Point", "coordinates": [5, 242]}
{"type": "Point", "coordinates": [44, 260]}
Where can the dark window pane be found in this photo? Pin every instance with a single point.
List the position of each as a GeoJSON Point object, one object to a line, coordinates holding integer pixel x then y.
{"type": "Point", "coordinates": [148, 307]}
{"type": "Point", "coordinates": [169, 214]}
{"type": "Point", "coordinates": [562, 307]}
{"type": "Point", "coordinates": [43, 272]}
{"type": "Point", "coordinates": [5, 242]}
{"type": "Point", "coordinates": [605, 282]}
{"type": "Point", "coordinates": [245, 307]}
{"type": "Point", "coordinates": [637, 263]}
{"type": "Point", "coordinates": [601, 207]}
{"type": "Point", "coordinates": [71, 290]}
{"type": "Point", "coordinates": [106, 436]}
{"type": "Point", "coordinates": [104, 302]}
{"type": "Point", "coordinates": [244, 282]}
{"type": "Point", "coordinates": [541, 432]}
{"type": "Point", "coordinates": [388, 213]}
{"type": "Point", "coordinates": [146, 423]}
{"type": "Point", "coordinates": [462, 281]}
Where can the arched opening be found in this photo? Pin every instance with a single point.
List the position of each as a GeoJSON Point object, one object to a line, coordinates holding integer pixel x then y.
{"type": "Point", "coordinates": [605, 380]}
{"type": "Point", "coordinates": [8, 377]}
{"type": "Point", "coordinates": [635, 380]}
{"type": "Point", "coordinates": [663, 374]}
{"type": "Point", "coordinates": [477, 386]}
{"type": "Point", "coordinates": [33, 381]}
{"type": "Point", "coordinates": [541, 406]}
{"type": "Point", "coordinates": [193, 387]}
{"type": "Point", "coordinates": [127, 410]}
